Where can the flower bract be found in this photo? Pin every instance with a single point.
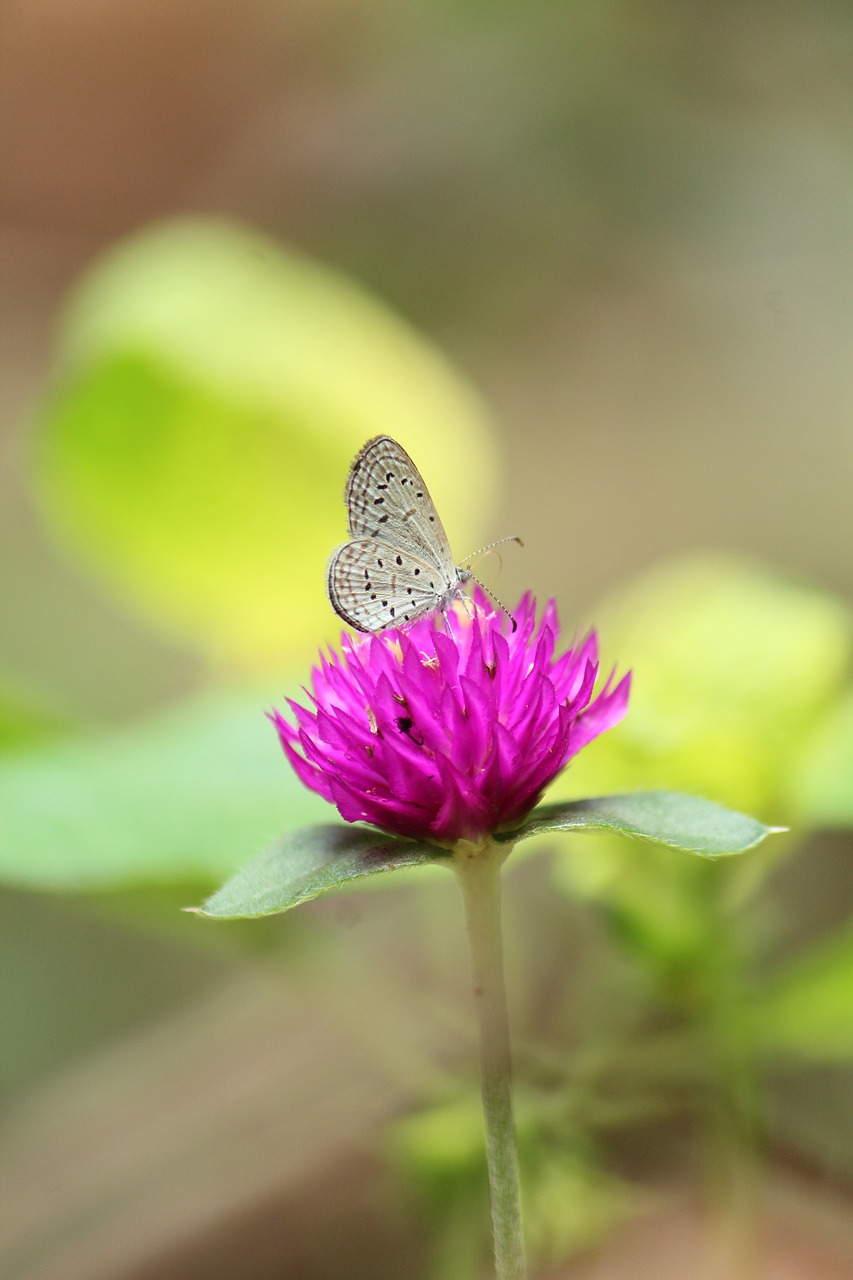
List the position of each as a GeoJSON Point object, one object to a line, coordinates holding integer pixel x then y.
{"type": "Point", "coordinates": [450, 729]}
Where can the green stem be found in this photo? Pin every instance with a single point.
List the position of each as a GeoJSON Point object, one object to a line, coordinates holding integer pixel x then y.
{"type": "Point", "coordinates": [479, 873]}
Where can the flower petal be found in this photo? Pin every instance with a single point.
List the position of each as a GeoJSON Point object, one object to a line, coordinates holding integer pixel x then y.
{"type": "Point", "coordinates": [451, 727]}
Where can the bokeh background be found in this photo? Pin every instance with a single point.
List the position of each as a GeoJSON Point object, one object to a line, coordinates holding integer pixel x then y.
{"type": "Point", "coordinates": [592, 265]}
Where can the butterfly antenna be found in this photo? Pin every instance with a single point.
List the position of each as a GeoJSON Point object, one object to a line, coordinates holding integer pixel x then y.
{"type": "Point", "coordinates": [483, 550]}
{"type": "Point", "coordinates": [490, 547]}
{"type": "Point", "coordinates": [492, 595]}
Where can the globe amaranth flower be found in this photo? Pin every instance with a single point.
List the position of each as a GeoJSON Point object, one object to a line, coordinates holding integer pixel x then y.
{"type": "Point", "coordinates": [449, 729]}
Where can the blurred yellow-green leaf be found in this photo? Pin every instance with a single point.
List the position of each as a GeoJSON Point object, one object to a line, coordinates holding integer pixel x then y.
{"type": "Point", "coordinates": [211, 391]}
{"type": "Point", "coordinates": [187, 794]}
{"type": "Point", "coordinates": [570, 1202]}
{"type": "Point", "coordinates": [806, 1010]}
{"type": "Point", "coordinates": [734, 666]}
{"type": "Point", "coordinates": [822, 788]}
{"type": "Point", "coordinates": [24, 719]}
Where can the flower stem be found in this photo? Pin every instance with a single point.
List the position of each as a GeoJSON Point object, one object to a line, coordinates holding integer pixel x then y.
{"type": "Point", "coordinates": [479, 875]}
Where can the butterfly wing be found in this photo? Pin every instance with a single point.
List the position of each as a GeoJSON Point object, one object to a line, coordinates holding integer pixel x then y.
{"type": "Point", "coordinates": [387, 500]}
{"type": "Point", "coordinates": [373, 585]}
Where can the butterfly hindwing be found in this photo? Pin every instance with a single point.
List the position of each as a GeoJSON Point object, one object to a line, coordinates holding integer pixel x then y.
{"type": "Point", "coordinates": [373, 585]}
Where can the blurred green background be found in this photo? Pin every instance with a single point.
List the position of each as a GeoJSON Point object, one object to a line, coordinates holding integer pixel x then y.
{"type": "Point", "coordinates": [591, 264]}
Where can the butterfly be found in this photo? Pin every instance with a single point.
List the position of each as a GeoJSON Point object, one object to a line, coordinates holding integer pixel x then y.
{"type": "Point", "coordinates": [398, 565]}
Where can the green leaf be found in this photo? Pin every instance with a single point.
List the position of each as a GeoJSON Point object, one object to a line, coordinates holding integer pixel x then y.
{"type": "Point", "coordinates": [822, 786]}
{"type": "Point", "coordinates": [304, 864]}
{"type": "Point", "coordinates": [179, 796]}
{"type": "Point", "coordinates": [683, 822]}
{"type": "Point", "coordinates": [212, 389]}
{"type": "Point", "coordinates": [807, 1009]}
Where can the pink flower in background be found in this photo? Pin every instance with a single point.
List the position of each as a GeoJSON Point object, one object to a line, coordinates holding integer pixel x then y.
{"type": "Point", "coordinates": [449, 729]}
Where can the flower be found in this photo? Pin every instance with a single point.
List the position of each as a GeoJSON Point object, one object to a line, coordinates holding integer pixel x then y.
{"type": "Point", "coordinates": [450, 729]}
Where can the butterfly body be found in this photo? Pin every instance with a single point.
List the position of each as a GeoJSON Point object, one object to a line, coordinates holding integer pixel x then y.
{"type": "Point", "coordinates": [398, 565]}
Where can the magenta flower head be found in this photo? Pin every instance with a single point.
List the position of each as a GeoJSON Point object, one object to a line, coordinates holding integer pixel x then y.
{"type": "Point", "coordinates": [450, 729]}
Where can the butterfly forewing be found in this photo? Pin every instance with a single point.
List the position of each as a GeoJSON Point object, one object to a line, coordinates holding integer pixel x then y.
{"type": "Point", "coordinates": [373, 585]}
{"type": "Point", "coordinates": [387, 500]}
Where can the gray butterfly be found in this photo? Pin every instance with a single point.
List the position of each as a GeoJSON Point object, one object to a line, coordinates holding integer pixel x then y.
{"type": "Point", "coordinates": [398, 565]}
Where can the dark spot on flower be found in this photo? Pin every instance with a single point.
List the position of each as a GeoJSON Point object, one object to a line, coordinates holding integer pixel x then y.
{"type": "Point", "coordinates": [405, 725]}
